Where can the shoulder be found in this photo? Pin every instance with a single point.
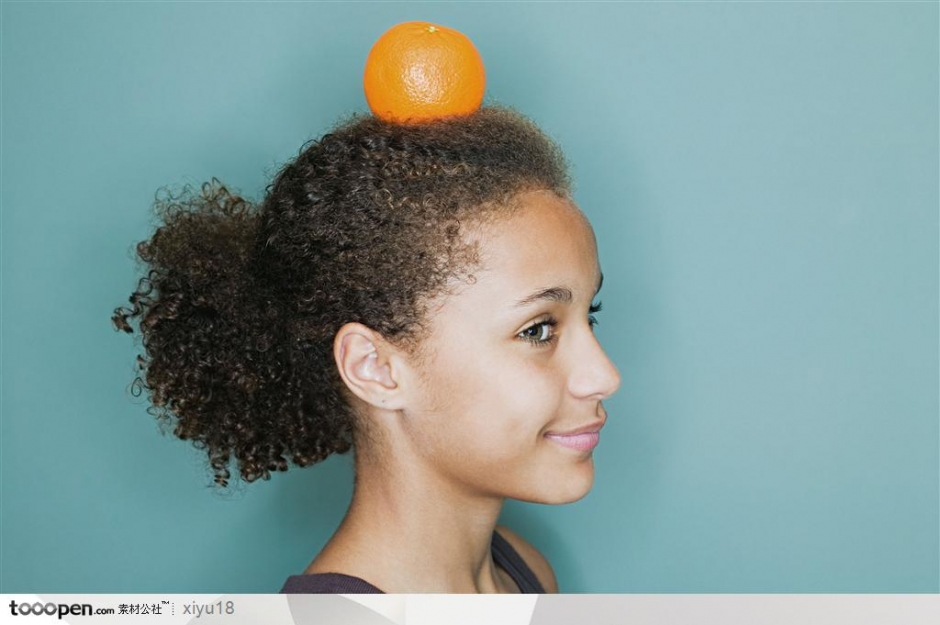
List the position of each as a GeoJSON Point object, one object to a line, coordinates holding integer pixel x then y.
{"type": "Point", "coordinates": [536, 561]}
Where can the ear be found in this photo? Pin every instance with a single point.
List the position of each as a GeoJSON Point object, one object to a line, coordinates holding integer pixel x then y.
{"type": "Point", "coordinates": [368, 365]}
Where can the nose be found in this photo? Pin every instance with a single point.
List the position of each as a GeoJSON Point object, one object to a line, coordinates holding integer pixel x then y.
{"type": "Point", "coordinates": [593, 375]}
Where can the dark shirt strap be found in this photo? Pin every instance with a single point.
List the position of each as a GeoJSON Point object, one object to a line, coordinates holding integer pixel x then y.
{"type": "Point", "coordinates": [327, 583]}
{"type": "Point", "coordinates": [509, 559]}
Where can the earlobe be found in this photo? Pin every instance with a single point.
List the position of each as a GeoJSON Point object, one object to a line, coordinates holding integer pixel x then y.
{"type": "Point", "coordinates": [366, 371]}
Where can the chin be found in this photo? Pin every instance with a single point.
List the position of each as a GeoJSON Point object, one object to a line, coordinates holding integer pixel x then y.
{"type": "Point", "coordinates": [567, 488]}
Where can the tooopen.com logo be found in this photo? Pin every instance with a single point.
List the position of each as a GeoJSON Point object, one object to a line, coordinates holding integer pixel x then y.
{"type": "Point", "coordinates": [53, 609]}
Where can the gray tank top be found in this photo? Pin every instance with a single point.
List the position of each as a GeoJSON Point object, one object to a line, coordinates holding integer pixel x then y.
{"type": "Point", "coordinates": [504, 556]}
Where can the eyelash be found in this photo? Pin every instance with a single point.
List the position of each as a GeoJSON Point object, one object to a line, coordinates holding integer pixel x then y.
{"type": "Point", "coordinates": [552, 322]}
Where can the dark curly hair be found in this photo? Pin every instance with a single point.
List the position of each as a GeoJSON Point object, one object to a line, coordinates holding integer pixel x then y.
{"type": "Point", "coordinates": [241, 301]}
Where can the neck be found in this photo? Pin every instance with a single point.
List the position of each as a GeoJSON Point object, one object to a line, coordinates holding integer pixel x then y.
{"type": "Point", "coordinates": [409, 529]}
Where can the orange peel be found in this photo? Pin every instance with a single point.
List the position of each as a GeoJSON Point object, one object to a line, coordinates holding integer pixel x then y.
{"type": "Point", "coordinates": [417, 71]}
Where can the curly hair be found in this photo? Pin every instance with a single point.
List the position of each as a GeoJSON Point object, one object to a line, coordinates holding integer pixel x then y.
{"type": "Point", "coordinates": [241, 301]}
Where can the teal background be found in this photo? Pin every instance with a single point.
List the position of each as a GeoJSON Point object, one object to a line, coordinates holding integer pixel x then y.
{"type": "Point", "coordinates": [763, 181]}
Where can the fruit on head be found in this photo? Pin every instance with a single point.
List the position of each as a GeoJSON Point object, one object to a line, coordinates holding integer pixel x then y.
{"type": "Point", "coordinates": [418, 71]}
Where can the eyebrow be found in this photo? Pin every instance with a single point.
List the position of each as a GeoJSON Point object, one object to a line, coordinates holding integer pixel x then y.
{"type": "Point", "coordinates": [554, 294]}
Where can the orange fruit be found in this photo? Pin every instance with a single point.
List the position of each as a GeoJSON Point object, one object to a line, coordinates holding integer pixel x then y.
{"type": "Point", "coordinates": [418, 71]}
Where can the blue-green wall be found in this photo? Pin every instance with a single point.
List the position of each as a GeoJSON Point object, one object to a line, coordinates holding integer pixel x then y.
{"type": "Point", "coordinates": [763, 180]}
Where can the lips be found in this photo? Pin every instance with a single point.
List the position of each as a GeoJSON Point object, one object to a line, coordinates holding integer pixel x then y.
{"type": "Point", "coordinates": [583, 438]}
{"type": "Point", "coordinates": [584, 429]}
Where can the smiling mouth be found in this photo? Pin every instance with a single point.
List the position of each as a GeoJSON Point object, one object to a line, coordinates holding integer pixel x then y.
{"type": "Point", "coordinates": [581, 442]}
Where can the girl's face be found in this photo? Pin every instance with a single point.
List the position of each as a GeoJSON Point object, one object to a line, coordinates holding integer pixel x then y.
{"type": "Point", "coordinates": [512, 362]}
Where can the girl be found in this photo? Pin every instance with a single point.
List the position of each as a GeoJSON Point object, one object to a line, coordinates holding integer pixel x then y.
{"type": "Point", "coordinates": [421, 294]}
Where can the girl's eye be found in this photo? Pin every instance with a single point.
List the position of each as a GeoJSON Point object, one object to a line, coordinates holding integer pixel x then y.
{"type": "Point", "coordinates": [591, 318]}
{"type": "Point", "coordinates": [542, 333]}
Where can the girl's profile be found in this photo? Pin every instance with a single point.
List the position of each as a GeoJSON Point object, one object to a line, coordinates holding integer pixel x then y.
{"type": "Point", "coordinates": [422, 295]}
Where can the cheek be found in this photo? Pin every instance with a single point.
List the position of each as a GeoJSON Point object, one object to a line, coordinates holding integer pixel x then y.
{"type": "Point", "coordinates": [483, 424]}
{"type": "Point", "coordinates": [496, 403]}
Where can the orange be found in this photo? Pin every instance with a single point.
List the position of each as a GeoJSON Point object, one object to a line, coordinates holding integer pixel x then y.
{"type": "Point", "coordinates": [418, 71]}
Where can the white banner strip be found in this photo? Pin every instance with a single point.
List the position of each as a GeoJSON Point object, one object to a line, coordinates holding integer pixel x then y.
{"type": "Point", "coordinates": [664, 609]}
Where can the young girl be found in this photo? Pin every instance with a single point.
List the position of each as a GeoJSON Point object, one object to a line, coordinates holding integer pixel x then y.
{"type": "Point", "coordinates": [422, 294]}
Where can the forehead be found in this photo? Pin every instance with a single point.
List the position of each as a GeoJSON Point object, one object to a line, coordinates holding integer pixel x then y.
{"type": "Point", "coordinates": [545, 242]}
